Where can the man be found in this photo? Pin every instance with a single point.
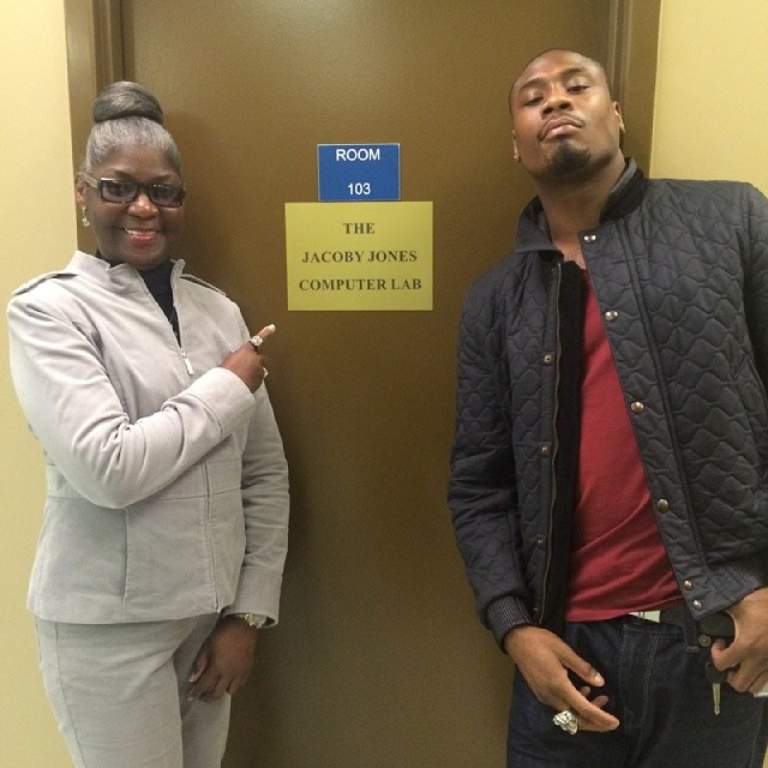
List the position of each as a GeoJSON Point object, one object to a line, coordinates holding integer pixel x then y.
{"type": "Point", "coordinates": [611, 449]}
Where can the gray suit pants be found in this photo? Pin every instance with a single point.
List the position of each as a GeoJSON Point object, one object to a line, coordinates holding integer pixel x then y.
{"type": "Point", "coordinates": [119, 694]}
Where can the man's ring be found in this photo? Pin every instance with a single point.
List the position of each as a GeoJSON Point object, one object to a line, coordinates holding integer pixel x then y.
{"type": "Point", "coordinates": [257, 341]}
{"type": "Point", "coordinates": [567, 721]}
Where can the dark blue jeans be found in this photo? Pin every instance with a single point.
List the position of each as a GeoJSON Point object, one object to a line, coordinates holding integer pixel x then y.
{"type": "Point", "coordinates": [660, 695]}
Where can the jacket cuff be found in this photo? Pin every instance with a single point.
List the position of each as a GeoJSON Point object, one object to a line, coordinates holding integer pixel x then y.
{"type": "Point", "coordinates": [505, 614]}
{"type": "Point", "coordinates": [739, 577]}
{"type": "Point", "coordinates": [225, 395]}
{"type": "Point", "coordinates": [258, 592]}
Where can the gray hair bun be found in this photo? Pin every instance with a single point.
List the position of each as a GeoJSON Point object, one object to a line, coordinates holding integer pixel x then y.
{"type": "Point", "coordinates": [126, 114]}
{"type": "Point", "coordinates": [126, 99]}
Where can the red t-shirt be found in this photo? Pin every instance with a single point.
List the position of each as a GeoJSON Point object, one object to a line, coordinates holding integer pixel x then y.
{"type": "Point", "coordinates": [618, 561]}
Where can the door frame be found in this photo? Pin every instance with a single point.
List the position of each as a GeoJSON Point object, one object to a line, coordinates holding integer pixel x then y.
{"type": "Point", "coordinates": [94, 33]}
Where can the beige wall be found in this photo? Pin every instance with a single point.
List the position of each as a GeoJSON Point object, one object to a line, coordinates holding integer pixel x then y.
{"type": "Point", "coordinates": [38, 235]}
{"type": "Point", "coordinates": [711, 106]}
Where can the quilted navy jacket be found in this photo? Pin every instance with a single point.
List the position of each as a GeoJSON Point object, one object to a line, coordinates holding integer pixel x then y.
{"type": "Point", "coordinates": [680, 270]}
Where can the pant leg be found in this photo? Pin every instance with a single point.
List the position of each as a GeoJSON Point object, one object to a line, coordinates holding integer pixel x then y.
{"type": "Point", "coordinates": [113, 689]}
{"type": "Point", "coordinates": [761, 742]}
{"type": "Point", "coordinates": [205, 724]}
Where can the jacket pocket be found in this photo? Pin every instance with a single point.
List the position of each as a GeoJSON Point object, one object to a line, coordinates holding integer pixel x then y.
{"type": "Point", "coordinates": [80, 563]}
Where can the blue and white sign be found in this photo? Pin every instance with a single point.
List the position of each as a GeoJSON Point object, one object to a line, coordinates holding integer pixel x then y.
{"type": "Point", "coordinates": [358, 172]}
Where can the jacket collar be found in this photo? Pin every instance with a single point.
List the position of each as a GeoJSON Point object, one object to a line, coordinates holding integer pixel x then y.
{"type": "Point", "coordinates": [113, 277]}
{"type": "Point", "coordinates": [626, 195]}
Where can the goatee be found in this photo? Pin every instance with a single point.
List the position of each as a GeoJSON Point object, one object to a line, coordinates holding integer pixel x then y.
{"type": "Point", "coordinates": [568, 160]}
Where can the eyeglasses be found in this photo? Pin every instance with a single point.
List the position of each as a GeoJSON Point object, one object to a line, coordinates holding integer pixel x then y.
{"type": "Point", "coordinates": [126, 191]}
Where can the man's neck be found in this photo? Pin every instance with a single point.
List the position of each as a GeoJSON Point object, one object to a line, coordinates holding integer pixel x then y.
{"type": "Point", "coordinates": [574, 205]}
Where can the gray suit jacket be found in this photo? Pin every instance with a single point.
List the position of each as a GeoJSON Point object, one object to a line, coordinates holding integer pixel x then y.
{"type": "Point", "coordinates": [167, 482]}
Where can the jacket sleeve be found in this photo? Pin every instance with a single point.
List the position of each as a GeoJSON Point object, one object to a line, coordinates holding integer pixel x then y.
{"type": "Point", "coordinates": [265, 507]}
{"type": "Point", "coordinates": [73, 409]}
{"type": "Point", "coordinates": [756, 279]}
{"type": "Point", "coordinates": [482, 494]}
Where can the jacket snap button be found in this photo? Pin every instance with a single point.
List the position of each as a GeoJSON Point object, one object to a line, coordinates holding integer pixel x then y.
{"type": "Point", "coordinates": [637, 407]}
{"type": "Point", "coordinates": [705, 641]}
{"type": "Point", "coordinates": [545, 449]}
{"type": "Point", "coordinates": [611, 315]}
{"type": "Point", "coordinates": [662, 505]}
{"type": "Point", "coordinates": [548, 358]}
{"type": "Point", "coordinates": [688, 584]}
{"type": "Point", "coordinates": [697, 605]}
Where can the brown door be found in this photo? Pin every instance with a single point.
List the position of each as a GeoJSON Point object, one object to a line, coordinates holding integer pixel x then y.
{"type": "Point", "coordinates": [378, 661]}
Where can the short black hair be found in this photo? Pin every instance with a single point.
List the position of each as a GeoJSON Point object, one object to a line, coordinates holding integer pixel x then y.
{"type": "Point", "coordinates": [530, 61]}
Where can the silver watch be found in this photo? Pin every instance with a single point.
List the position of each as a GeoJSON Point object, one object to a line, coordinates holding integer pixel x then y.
{"type": "Point", "coordinates": [254, 620]}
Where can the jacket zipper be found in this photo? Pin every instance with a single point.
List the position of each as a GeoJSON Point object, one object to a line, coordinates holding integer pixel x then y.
{"type": "Point", "coordinates": [555, 444]}
{"type": "Point", "coordinates": [174, 293]}
{"type": "Point", "coordinates": [206, 477]}
{"type": "Point", "coordinates": [187, 363]}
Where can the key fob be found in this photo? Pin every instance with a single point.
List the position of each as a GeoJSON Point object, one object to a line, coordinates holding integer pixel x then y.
{"type": "Point", "coordinates": [714, 675]}
{"type": "Point", "coordinates": [718, 625]}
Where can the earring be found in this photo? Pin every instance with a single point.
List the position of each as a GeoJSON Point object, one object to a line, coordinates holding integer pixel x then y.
{"type": "Point", "coordinates": [84, 220]}
{"type": "Point", "coordinates": [516, 155]}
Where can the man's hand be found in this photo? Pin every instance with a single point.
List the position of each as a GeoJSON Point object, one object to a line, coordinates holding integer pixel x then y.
{"type": "Point", "coordinates": [544, 659]}
{"type": "Point", "coordinates": [749, 649]}
{"type": "Point", "coordinates": [225, 660]}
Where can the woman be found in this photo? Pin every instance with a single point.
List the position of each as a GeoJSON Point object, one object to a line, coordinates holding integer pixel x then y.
{"type": "Point", "coordinates": [165, 526]}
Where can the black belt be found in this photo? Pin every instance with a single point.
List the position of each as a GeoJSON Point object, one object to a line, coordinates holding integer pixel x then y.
{"type": "Point", "coordinates": [698, 634]}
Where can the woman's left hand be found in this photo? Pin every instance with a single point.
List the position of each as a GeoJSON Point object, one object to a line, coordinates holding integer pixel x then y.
{"type": "Point", "coordinates": [225, 660]}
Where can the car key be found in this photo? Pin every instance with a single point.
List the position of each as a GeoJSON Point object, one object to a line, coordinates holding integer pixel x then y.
{"type": "Point", "coordinates": [716, 677]}
{"type": "Point", "coordinates": [718, 626]}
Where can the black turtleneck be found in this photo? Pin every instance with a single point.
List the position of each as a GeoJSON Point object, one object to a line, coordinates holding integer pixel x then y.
{"type": "Point", "coordinates": [158, 282]}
